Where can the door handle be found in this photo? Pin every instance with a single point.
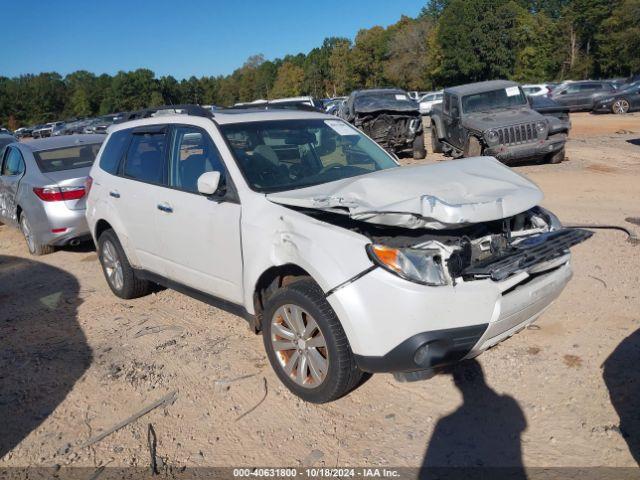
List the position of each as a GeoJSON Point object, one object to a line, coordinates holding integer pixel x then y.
{"type": "Point", "coordinates": [114, 194]}
{"type": "Point", "coordinates": [165, 207]}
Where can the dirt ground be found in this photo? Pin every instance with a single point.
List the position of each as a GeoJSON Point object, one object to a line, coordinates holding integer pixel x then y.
{"type": "Point", "coordinates": [75, 360]}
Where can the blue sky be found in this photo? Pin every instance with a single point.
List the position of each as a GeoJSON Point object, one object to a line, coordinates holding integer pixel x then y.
{"type": "Point", "coordinates": [177, 37]}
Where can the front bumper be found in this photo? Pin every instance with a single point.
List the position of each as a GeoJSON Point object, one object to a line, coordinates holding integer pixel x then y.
{"type": "Point", "coordinates": [603, 107]}
{"type": "Point", "coordinates": [541, 148]}
{"type": "Point", "coordinates": [397, 326]}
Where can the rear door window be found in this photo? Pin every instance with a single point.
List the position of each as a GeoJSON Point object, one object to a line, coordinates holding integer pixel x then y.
{"type": "Point", "coordinates": [114, 150]}
{"type": "Point", "coordinates": [145, 160]}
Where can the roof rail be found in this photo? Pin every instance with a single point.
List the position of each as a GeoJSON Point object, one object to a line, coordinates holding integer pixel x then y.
{"type": "Point", "coordinates": [186, 109]}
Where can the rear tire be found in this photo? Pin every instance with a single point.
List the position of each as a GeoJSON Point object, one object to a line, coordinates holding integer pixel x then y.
{"type": "Point", "coordinates": [436, 144]}
{"type": "Point", "coordinates": [473, 148]}
{"type": "Point", "coordinates": [301, 328]}
{"type": "Point", "coordinates": [555, 158]}
{"type": "Point", "coordinates": [120, 275]}
{"type": "Point", "coordinates": [35, 247]}
{"type": "Point", "coordinates": [620, 107]}
{"type": "Point", "coordinates": [419, 152]}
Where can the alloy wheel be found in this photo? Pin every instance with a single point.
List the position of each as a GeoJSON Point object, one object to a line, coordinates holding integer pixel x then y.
{"type": "Point", "coordinates": [112, 265]}
{"type": "Point", "coordinates": [299, 345]}
{"type": "Point", "coordinates": [620, 106]}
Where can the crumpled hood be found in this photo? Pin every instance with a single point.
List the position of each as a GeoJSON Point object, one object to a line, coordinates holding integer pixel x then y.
{"type": "Point", "coordinates": [481, 121]}
{"type": "Point", "coordinates": [448, 194]}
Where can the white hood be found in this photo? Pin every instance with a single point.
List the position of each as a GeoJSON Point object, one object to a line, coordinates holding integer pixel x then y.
{"type": "Point", "coordinates": [442, 195]}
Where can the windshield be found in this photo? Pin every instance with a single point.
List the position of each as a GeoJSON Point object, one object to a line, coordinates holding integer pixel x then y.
{"type": "Point", "coordinates": [281, 155]}
{"type": "Point", "coordinates": [67, 158]}
{"type": "Point", "coordinates": [494, 99]}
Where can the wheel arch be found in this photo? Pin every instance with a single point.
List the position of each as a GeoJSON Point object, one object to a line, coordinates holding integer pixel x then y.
{"type": "Point", "coordinates": [271, 280]}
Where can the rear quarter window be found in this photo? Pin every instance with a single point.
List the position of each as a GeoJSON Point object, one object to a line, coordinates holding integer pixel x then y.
{"type": "Point", "coordinates": [67, 158]}
{"type": "Point", "coordinates": [114, 150]}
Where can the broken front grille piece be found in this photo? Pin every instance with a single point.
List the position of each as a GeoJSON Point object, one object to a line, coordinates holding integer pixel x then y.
{"type": "Point", "coordinates": [527, 253]}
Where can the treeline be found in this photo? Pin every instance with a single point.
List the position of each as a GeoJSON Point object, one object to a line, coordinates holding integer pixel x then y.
{"type": "Point", "coordinates": [450, 42]}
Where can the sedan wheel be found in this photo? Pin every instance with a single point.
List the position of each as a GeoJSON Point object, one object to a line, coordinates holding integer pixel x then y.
{"type": "Point", "coordinates": [112, 265]}
{"type": "Point", "coordinates": [620, 106]}
{"type": "Point", "coordinates": [28, 234]}
{"type": "Point", "coordinates": [300, 346]}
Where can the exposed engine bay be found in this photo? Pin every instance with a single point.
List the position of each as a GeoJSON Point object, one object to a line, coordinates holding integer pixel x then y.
{"type": "Point", "coordinates": [495, 249]}
{"type": "Point", "coordinates": [391, 130]}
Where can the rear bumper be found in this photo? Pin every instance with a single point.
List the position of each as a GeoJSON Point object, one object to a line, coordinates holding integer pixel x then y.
{"type": "Point", "coordinates": [70, 224]}
{"type": "Point", "coordinates": [539, 149]}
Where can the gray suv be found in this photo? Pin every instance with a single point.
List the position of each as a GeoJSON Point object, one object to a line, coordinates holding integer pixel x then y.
{"type": "Point", "coordinates": [494, 118]}
{"type": "Point", "coordinates": [582, 95]}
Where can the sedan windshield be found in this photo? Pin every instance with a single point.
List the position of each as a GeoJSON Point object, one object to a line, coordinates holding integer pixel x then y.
{"type": "Point", "coordinates": [494, 99]}
{"type": "Point", "coordinates": [66, 158]}
{"type": "Point", "coordinates": [284, 155]}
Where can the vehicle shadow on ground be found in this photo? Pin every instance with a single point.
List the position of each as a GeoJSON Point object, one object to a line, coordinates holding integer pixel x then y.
{"type": "Point", "coordinates": [622, 377]}
{"type": "Point", "coordinates": [634, 141]}
{"type": "Point", "coordinates": [482, 437]}
{"type": "Point", "coordinates": [43, 351]}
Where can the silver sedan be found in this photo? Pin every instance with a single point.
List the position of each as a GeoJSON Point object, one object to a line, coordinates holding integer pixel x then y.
{"type": "Point", "coordinates": [43, 189]}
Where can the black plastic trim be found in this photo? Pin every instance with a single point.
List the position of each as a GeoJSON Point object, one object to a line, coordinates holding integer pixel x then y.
{"type": "Point", "coordinates": [446, 347]}
{"type": "Point", "coordinates": [351, 280]}
{"type": "Point", "coordinates": [207, 298]}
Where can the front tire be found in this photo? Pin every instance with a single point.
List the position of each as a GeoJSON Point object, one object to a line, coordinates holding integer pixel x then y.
{"type": "Point", "coordinates": [118, 272]}
{"type": "Point", "coordinates": [419, 152]}
{"type": "Point", "coordinates": [620, 107]}
{"type": "Point", "coordinates": [436, 144]}
{"type": "Point", "coordinates": [306, 344]}
{"type": "Point", "coordinates": [555, 158]}
{"type": "Point", "coordinates": [35, 247]}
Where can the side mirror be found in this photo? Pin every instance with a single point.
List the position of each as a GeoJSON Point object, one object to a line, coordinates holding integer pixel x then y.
{"type": "Point", "coordinates": [563, 92]}
{"type": "Point", "coordinates": [208, 183]}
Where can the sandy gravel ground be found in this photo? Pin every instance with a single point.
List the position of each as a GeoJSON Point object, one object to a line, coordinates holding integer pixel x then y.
{"type": "Point", "coordinates": [75, 360]}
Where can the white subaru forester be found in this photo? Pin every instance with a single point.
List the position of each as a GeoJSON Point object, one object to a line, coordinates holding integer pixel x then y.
{"type": "Point", "coordinates": [345, 261]}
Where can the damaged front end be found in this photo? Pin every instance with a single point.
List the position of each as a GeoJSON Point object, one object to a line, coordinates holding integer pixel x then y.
{"type": "Point", "coordinates": [530, 242]}
{"type": "Point", "coordinates": [391, 130]}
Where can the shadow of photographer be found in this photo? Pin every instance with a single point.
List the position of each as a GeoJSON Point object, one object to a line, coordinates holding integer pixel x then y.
{"type": "Point", "coordinates": [43, 351]}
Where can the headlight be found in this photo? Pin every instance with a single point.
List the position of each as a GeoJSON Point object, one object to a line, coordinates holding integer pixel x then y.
{"type": "Point", "coordinates": [491, 136]}
{"type": "Point", "coordinates": [413, 264]}
{"type": "Point", "coordinates": [554, 222]}
{"type": "Point", "coordinates": [541, 127]}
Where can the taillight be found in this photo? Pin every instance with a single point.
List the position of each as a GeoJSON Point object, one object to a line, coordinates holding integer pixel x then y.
{"type": "Point", "coordinates": [57, 194]}
{"type": "Point", "coordinates": [87, 185]}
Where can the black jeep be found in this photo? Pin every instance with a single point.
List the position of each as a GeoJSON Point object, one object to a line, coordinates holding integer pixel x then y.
{"type": "Point", "coordinates": [494, 118]}
{"type": "Point", "coordinates": [389, 117]}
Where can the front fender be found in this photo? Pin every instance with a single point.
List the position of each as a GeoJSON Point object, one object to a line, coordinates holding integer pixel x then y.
{"type": "Point", "coordinates": [279, 236]}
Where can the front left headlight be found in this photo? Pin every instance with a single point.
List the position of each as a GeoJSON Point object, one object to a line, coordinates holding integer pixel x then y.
{"type": "Point", "coordinates": [541, 127]}
{"type": "Point", "coordinates": [413, 264]}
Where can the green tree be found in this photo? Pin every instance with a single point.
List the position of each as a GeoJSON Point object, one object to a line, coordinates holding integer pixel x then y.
{"type": "Point", "coordinates": [407, 65]}
{"type": "Point", "coordinates": [619, 40]}
{"type": "Point", "coordinates": [477, 40]}
{"type": "Point", "coordinates": [341, 71]}
{"type": "Point", "coordinates": [288, 81]}
{"type": "Point", "coordinates": [368, 55]}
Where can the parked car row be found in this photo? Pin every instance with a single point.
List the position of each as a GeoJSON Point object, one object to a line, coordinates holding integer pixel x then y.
{"type": "Point", "coordinates": [69, 127]}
